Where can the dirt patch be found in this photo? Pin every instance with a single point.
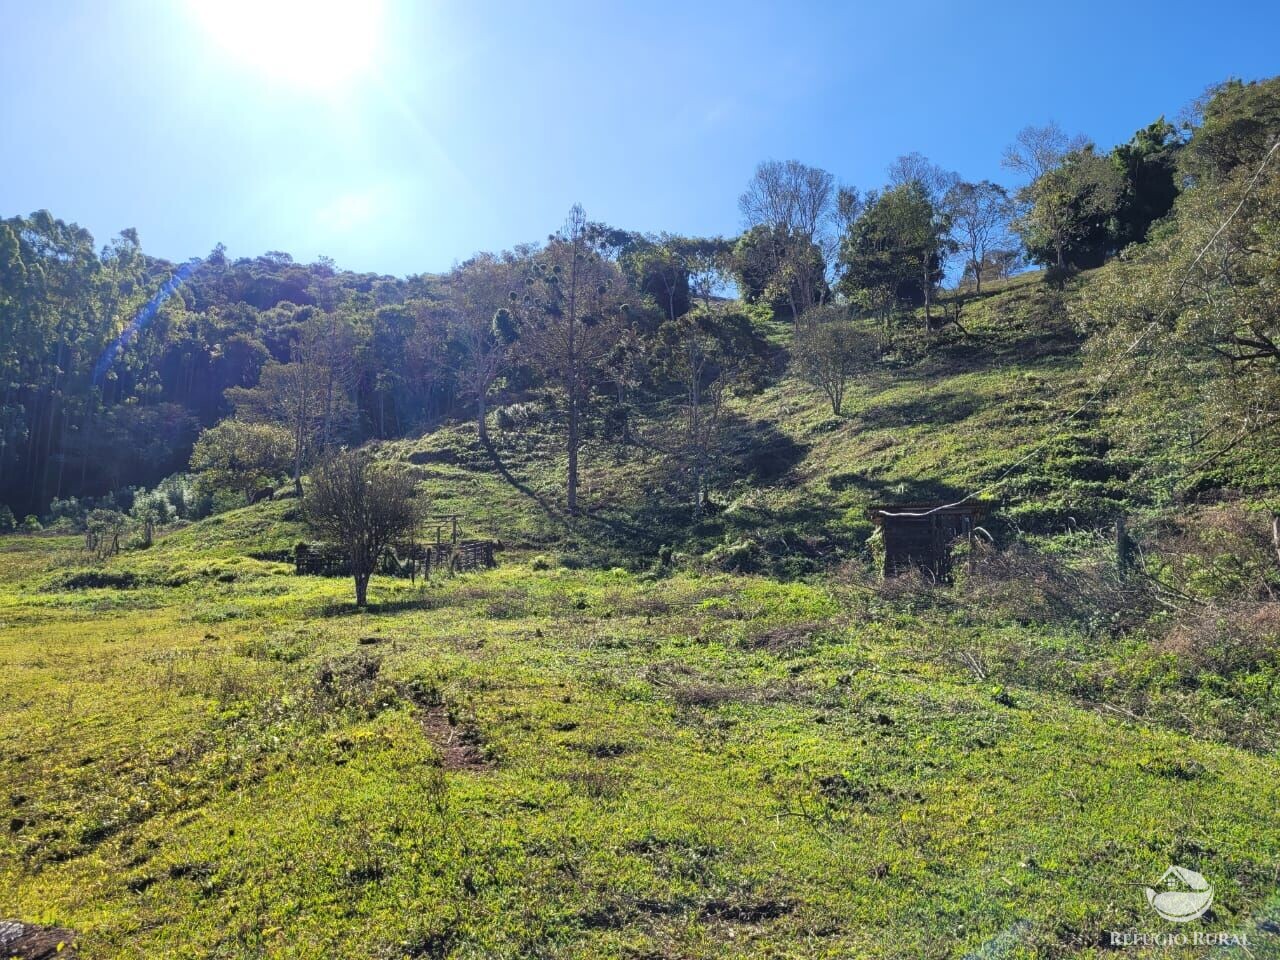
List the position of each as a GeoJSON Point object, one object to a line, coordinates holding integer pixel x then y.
{"type": "Point", "coordinates": [25, 941]}
{"type": "Point", "coordinates": [460, 744]}
{"type": "Point", "coordinates": [747, 911]}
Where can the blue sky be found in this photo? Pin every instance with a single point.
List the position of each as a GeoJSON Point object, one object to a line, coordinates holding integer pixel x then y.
{"type": "Point", "coordinates": [403, 137]}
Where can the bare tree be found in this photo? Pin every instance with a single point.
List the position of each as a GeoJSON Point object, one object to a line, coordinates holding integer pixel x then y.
{"type": "Point", "coordinates": [827, 351]}
{"type": "Point", "coordinates": [1037, 150]}
{"type": "Point", "coordinates": [797, 204]}
{"type": "Point", "coordinates": [980, 215]}
{"type": "Point", "coordinates": [361, 508]}
{"type": "Point", "coordinates": [789, 195]}
{"type": "Point", "coordinates": [928, 176]}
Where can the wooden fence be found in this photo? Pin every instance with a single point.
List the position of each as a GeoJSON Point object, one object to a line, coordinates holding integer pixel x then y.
{"type": "Point", "coordinates": [407, 560]}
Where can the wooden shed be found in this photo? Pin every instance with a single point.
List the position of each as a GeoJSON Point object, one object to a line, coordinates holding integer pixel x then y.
{"type": "Point", "coordinates": [920, 535]}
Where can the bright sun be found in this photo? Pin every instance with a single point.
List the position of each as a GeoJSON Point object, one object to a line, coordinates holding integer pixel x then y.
{"type": "Point", "coordinates": [316, 45]}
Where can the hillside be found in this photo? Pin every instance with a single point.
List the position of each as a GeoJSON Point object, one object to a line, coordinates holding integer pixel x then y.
{"type": "Point", "coordinates": [751, 749]}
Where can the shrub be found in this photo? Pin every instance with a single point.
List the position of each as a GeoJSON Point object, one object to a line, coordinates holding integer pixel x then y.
{"type": "Point", "coordinates": [1030, 587]}
{"type": "Point", "coordinates": [1226, 640]}
{"type": "Point", "coordinates": [31, 524]}
{"type": "Point", "coordinates": [7, 522]}
{"type": "Point", "coordinates": [1216, 554]}
{"type": "Point", "coordinates": [742, 556]}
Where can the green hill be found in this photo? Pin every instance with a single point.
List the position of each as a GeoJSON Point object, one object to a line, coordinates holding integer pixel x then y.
{"type": "Point", "coordinates": [744, 745]}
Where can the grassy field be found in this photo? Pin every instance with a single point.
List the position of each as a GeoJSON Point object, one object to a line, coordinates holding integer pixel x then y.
{"type": "Point", "coordinates": [755, 751]}
{"type": "Point", "coordinates": [222, 759]}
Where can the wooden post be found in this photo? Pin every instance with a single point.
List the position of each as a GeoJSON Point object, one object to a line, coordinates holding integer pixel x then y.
{"type": "Point", "coordinates": [1124, 547]}
{"type": "Point", "coordinates": [968, 529]}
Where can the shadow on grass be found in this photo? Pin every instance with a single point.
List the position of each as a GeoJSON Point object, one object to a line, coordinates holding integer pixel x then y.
{"type": "Point", "coordinates": [347, 608]}
{"type": "Point", "coordinates": [936, 409]}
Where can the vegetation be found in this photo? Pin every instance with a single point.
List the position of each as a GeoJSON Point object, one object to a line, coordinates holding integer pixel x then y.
{"type": "Point", "coordinates": [685, 715]}
{"type": "Point", "coordinates": [362, 510]}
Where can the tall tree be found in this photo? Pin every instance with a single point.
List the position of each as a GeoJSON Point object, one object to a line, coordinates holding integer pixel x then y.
{"type": "Point", "coordinates": [980, 214]}
{"type": "Point", "coordinates": [788, 208]}
{"type": "Point", "coordinates": [894, 252]}
{"type": "Point", "coordinates": [569, 319]}
{"type": "Point", "coordinates": [482, 323]}
{"type": "Point", "coordinates": [1067, 209]}
{"type": "Point", "coordinates": [1148, 165]}
{"type": "Point", "coordinates": [933, 183]}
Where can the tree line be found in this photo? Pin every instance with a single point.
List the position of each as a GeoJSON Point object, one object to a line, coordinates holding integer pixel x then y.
{"type": "Point", "coordinates": [250, 370]}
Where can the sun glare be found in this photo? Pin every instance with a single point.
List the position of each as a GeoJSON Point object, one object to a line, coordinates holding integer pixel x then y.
{"type": "Point", "coordinates": [316, 45]}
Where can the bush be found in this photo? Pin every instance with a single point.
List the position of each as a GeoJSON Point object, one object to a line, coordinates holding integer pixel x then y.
{"type": "Point", "coordinates": [742, 556]}
{"type": "Point", "coordinates": [1226, 640]}
{"type": "Point", "coordinates": [1221, 553]}
{"type": "Point", "coordinates": [7, 522]}
{"type": "Point", "coordinates": [1029, 587]}
{"type": "Point", "coordinates": [31, 524]}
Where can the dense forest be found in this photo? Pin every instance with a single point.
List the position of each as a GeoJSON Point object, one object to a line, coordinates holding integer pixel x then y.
{"type": "Point", "coordinates": [118, 365]}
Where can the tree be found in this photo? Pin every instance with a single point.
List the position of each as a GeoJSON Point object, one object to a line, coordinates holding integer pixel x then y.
{"type": "Point", "coordinates": [998, 264]}
{"type": "Point", "coordinates": [934, 183]}
{"type": "Point", "coordinates": [308, 395]}
{"type": "Point", "coordinates": [827, 351]}
{"type": "Point", "coordinates": [707, 353]}
{"type": "Point", "coordinates": [569, 319]}
{"type": "Point", "coordinates": [979, 214]}
{"type": "Point", "coordinates": [1037, 150]}
{"type": "Point", "coordinates": [918, 169]}
{"type": "Point", "coordinates": [782, 270]}
{"type": "Point", "coordinates": [789, 195]}
{"type": "Point", "coordinates": [152, 509]}
{"type": "Point", "coordinates": [1066, 211]}
{"type": "Point", "coordinates": [361, 508]}
{"type": "Point", "coordinates": [241, 456]}
{"type": "Point", "coordinates": [1190, 321]}
{"type": "Point", "coordinates": [894, 251]}
{"type": "Point", "coordinates": [788, 208]}
{"type": "Point", "coordinates": [1148, 164]}
{"type": "Point", "coordinates": [1239, 123]}
{"type": "Point", "coordinates": [103, 530]}
{"type": "Point", "coordinates": [484, 327]}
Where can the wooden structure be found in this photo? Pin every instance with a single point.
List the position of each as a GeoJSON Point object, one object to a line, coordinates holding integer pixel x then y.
{"type": "Point", "coordinates": [449, 553]}
{"type": "Point", "coordinates": [920, 535]}
{"type": "Point", "coordinates": [319, 560]}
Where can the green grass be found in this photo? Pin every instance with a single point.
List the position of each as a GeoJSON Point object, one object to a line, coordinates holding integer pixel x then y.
{"type": "Point", "coordinates": [702, 766]}
{"type": "Point", "coordinates": [586, 754]}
